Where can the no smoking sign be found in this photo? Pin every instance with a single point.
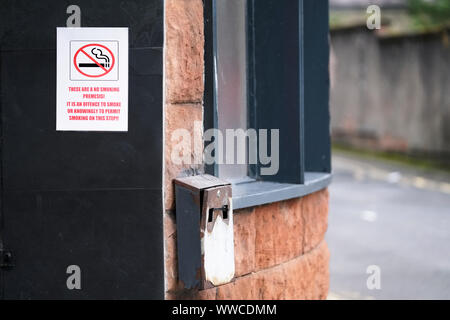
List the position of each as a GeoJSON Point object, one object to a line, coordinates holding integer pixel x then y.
{"type": "Point", "coordinates": [94, 60]}
{"type": "Point", "coordinates": [92, 79]}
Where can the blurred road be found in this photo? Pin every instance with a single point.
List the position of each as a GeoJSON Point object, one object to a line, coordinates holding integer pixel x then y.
{"type": "Point", "coordinates": [394, 217]}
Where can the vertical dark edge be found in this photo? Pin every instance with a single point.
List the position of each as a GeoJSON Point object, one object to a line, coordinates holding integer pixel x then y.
{"type": "Point", "coordinates": [188, 204]}
{"type": "Point", "coordinates": [251, 81]}
{"type": "Point", "coordinates": [162, 234]}
{"type": "Point", "coordinates": [2, 287]}
{"type": "Point", "coordinates": [277, 75]}
{"type": "Point", "coordinates": [301, 79]}
{"type": "Point", "coordinates": [209, 96]}
{"type": "Point", "coordinates": [316, 95]}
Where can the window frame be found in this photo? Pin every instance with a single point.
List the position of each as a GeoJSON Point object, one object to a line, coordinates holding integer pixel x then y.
{"type": "Point", "coordinates": [308, 167]}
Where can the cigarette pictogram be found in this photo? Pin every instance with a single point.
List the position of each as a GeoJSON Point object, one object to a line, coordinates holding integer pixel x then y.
{"type": "Point", "coordinates": [91, 57]}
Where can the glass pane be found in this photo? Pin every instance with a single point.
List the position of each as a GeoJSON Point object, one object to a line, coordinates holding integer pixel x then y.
{"type": "Point", "coordinates": [231, 77]}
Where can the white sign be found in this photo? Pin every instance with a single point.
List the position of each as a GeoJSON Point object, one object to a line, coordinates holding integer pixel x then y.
{"type": "Point", "coordinates": [92, 79]}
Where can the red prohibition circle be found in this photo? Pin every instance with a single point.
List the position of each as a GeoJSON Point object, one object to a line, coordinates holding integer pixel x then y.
{"type": "Point", "coordinates": [92, 45]}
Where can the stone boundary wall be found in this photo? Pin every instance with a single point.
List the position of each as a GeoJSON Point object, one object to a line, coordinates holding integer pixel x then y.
{"type": "Point", "coordinates": [391, 94]}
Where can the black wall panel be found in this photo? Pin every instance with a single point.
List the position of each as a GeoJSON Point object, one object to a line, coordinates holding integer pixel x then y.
{"type": "Point", "coordinates": [92, 199]}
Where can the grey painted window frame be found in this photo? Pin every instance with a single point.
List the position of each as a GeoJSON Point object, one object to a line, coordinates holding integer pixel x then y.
{"type": "Point", "coordinates": [298, 33]}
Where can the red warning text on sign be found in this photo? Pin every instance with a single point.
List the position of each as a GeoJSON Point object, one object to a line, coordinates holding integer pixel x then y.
{"type": "Point", "coordinates": [93, 104]}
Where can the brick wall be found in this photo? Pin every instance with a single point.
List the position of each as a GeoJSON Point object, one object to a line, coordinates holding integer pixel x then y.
{"type": "Point", "coordinates": [280, 252]}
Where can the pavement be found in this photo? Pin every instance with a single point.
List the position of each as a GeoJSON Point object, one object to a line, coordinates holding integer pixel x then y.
{"type": "Point", "coordinates": [389, 225]}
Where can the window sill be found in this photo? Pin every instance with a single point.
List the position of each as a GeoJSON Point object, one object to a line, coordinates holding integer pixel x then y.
{"type": "Point", "coordinates": [257, 193]}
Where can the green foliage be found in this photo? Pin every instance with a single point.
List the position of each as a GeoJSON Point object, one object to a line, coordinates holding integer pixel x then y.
{"type": "Point", "coordinates": [430, 13]}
